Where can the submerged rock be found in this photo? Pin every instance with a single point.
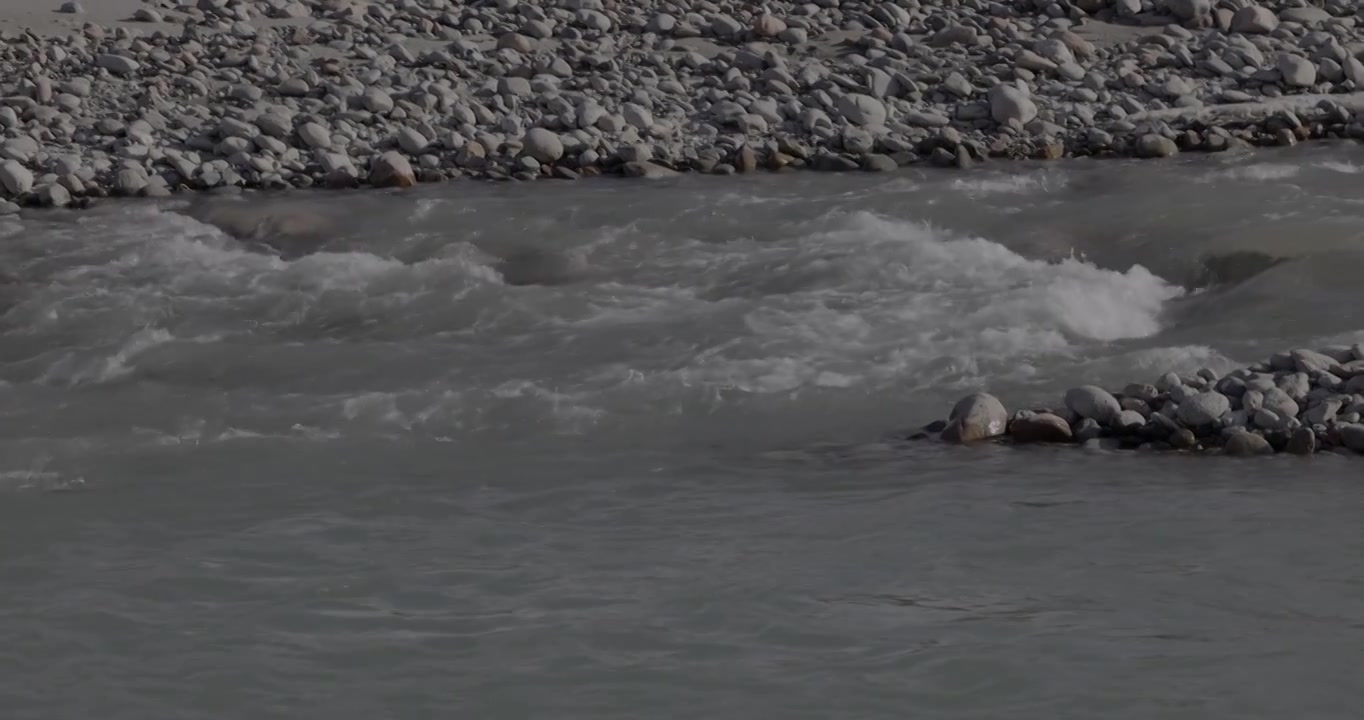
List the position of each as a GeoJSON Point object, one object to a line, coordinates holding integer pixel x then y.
{"type": "Point", "coordinates": [1040, 428]}
{"type": "Point", "coordinates": [534, 266]}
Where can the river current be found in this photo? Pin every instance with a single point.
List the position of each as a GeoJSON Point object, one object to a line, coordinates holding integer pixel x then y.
{"type": "Point", "coordinates": [616, 449]}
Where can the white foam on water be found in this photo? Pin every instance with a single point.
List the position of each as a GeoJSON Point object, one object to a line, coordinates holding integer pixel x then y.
{"type": "Point", "coordinates": [875, 300]}
{"type": "Point", "coordinates": [1009, 184]}
{"type": "Point", "coordinates": [1340, 166]}
{"type": "Point", "coordinates": [1260, 172]}
{"type": "Point", "coordinates": [74, 369]}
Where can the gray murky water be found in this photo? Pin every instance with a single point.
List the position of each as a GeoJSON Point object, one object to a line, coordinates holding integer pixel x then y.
{"type": "Point", "coordinates": [375, 480]}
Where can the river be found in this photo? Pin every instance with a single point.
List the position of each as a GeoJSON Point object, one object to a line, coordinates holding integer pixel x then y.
{"type": "Point", "coordinates": [617, 449]}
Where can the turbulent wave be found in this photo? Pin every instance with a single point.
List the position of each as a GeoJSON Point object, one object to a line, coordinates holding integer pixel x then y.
{"type": "Point", "coordinates": [680, 316]}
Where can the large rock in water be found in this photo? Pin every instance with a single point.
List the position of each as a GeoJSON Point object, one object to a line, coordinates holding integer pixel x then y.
{"type": "Point", "coordinates": [1095, 403]}
{"type": "Point", "coordinates": [1041, 428]}
{"type": "Point", "coordinates": [976, 417]}
{"type": "Point", "coordinates": [391, 169]}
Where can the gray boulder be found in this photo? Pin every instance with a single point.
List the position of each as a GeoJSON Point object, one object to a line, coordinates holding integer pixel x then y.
{"type": "Point", "coordinates": [976, 417]}
{"type": "Point", "coordinates": [1205, 408]}
{"type": "Point", "coordinates": [117, 64]}
{"type": "Point", "coordinates": [1247, 444]}
{"type": "Point", "coordinates": [1254, 20]}
{"type": "Point", "coordinates": [1311, 361]}
{"type": "Point", "coordinates": [543, 145]}
{"type": "Point", "coordinates": [15, 178]}
{"type": "Point", "coordinates": [862, 110]}
{"type": "Point", "coordinates": [391, 169]}
{"type": "Point", "coordinates": [1095, 403]}
{"type": "Point", "coordinates": [1010, 104]}
{"type": "Point", "coordinates": [1297, 70]}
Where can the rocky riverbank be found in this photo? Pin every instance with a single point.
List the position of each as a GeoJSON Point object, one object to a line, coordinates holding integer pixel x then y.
{"type": "Point", "coordinates": [277, 94]}
{"type": "Point", "coordinates": [1299, 402]}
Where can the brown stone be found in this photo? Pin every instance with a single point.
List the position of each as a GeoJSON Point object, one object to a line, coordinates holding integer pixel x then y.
{"type": "Point", "coordinates": [1041, 428]}
{"type": "Point", "coordinates": [745, 160]}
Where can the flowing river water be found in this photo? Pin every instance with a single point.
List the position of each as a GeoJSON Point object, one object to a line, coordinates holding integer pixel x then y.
{"type": "Point", "coordinates": [618, 449]}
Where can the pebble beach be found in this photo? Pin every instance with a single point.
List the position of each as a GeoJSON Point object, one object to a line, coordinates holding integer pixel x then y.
{"type": "Point", "coordinates": [149, 99]}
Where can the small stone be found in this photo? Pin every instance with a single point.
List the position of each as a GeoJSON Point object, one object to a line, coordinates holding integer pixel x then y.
{"type": "Point", "coordinates": [391, 169]}
{"type": "Point", "coordinates": [1303, 442]}
{"type": "Point", "coordinates": [377, 101]}
{"type": "Point", "coordinates": [1152, 145]}
{"type": "Point", "coordinates": [725, 26]}
{"type": "Point", "coordinates": [411, 142]}
{"type": "Point", "coordinates": [130, 181]}
{"type": "Point", "coordinates": [1269, 420]}
{"type": "Point", "coordinates": [1254, 20]}
{"type": "Point", "coordinates": [767, 26]}
{"type": "Point", "coordinates": [117, 64]}
{"type": "Point", "coordinates": [862, 110]}
{"type": "Point", "coordinates": [875, 162]}
{"type": "Point", "coordinates": [1324, 412]}
{"type": "Point", "coordinates": [1297, 70]}
{"type": "Point", "coordinates": [1183, 439]}
{"type": "Point", "coordinates": [1010, 104]}
{"type": "Point", "coordinates": [293, 87]}
{"type": "Point", "coordinates": [1278, 402]}
{"type": "Point", "coordinates": [315, 136]}
{"type": "Point", "coordinates": [1090, 401]}
{"type": "Point", "coordinates": [514, 87]}
{"type": "Point", "coordinates": [514, 41]}
{"type": "Point", "coordinates": [1144, 393]}
{"type": "Point", "coordinates": [1040, 428]}
{"type": "Point", "coordinates": [1247, 444]}
{"type": "Point", "coordinates": [15, 178]}
{"type": "Point", "coordinates": [53, 195]}
{"type": "Point", "coordinates": [1087, 429]}
{"type": "Point", "coordinates": [1187, 10]}
{"type": "Point", "coordinates": [976, 417]}
{"type": "Point", "coordinates": [1129, 420]}
{"type": "Point", "coordinates": [1310, 361]}
{"type": "Point", "coordinates": [78, 86]}
{"type": "Point", "coordinates": [1352, 437]}
{"type": "Point", "coordinates": [647, 170]}
{"type": "Point", "coordinates": [661, 24]}
{"type": "Point", "coordinates": [71, 8]}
